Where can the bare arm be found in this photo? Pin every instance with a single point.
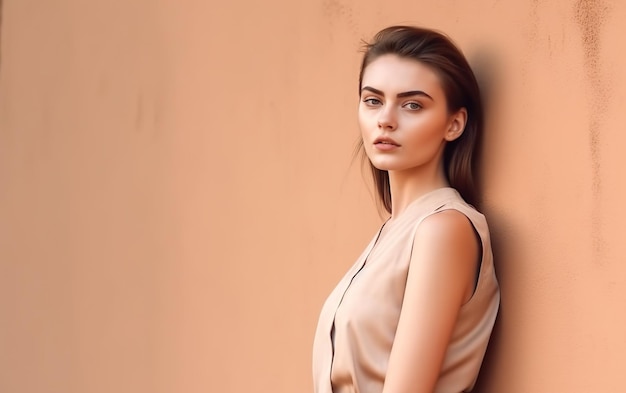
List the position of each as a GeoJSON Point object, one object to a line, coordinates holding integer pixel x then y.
{"type": "Point", "coordinates": [440, 280]}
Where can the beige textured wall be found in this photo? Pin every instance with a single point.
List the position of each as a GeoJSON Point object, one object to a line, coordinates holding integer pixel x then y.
{"type": "Point", "coordinates": [177, 196]}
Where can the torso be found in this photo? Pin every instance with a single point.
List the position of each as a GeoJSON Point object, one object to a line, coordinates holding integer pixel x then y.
{"type": "Point", "coordinates": [357, 324]}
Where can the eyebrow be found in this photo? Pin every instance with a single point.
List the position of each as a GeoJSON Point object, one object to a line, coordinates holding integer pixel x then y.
{"type": "Point", "coordinates": [399, 95]}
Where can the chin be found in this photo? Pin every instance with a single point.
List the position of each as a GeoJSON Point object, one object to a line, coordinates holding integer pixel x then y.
{"type": "Point", "coordinates": [384, 166]}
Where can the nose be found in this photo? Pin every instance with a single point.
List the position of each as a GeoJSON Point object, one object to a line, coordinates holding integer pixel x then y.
{"type": "Point", "coordinates": [387, 119]}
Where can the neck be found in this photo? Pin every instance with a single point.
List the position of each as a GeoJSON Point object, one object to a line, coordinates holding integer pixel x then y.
{"type": "Point", "coordinates": [407, 186]}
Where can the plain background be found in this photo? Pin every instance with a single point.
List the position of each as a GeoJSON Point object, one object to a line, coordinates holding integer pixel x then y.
{"type": "Point", "coordinates": [178, 195]}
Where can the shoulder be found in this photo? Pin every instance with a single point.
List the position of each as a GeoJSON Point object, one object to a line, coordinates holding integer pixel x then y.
{"type": "Point", "coordinates": [449, 226]}
{"type": "Point", "coordinates": [446, 252]}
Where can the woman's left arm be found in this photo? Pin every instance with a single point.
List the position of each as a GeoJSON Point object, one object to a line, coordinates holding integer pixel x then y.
{"type": "Point", "coordinates": [441, 279]}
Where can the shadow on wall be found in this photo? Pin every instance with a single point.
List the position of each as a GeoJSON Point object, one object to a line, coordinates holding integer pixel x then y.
{"type": "Point", "coordinates": [484, 62]}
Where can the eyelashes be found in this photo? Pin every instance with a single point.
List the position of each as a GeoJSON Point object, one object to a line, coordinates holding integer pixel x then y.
{"type": "Point", "coordinates": [375, 102]}
{"type": "Point", "coordinates": [413, 106]}
{"type": "Point", "coordinates": [372, 101]}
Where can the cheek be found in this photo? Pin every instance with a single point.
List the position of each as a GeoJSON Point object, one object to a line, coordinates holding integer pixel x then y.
{"type": "Point", "coordinates": [367, 136]}
{"type": "Point", "coordinates": [426, 130]}
{"type": "Point", "coordinates": [365, 124]}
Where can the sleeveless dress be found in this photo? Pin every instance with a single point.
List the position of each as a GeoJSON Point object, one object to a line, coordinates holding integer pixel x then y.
{"type": "Point", "coordinates": [358, 321]}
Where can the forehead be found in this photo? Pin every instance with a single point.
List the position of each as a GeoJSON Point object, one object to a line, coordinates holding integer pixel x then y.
{"type": "Point", "coordinates": [394, 74]}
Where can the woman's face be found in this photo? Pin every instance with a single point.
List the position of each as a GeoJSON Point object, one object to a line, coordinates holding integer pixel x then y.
{"type": "Point", "coordinates": [403, 115]}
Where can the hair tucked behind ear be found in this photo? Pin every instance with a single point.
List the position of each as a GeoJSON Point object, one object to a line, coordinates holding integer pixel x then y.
{"type": "Point", "coordinates": [459, 84]}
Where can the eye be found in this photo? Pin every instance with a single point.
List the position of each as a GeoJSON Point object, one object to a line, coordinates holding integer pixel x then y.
{"type": "Point", "coordinates": [372, 101]}
{"type": "Point", "coordinates": [413, 106]}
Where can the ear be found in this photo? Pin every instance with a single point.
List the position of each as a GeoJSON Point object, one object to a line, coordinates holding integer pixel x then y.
{"type": "Point", "coordinates": [457, 125]}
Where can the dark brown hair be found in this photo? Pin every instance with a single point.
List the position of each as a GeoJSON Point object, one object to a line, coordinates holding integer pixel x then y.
{"type": "Point", "coordinates": [459, 84]}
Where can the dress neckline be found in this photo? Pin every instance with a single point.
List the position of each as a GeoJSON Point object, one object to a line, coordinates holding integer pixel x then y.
{"type": "Point", "coordinates": [416, 202]}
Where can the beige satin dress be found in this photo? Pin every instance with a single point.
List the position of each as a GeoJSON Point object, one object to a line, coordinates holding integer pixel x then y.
{"type": "Point", "coordinates": [358, 322]}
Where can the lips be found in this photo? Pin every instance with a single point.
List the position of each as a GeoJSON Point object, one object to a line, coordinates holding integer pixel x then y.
{"type": "Point", "coordinates": [383, 140]}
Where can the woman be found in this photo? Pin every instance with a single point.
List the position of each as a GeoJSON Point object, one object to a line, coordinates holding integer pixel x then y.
{"type": "Point", "coordinates": [415, 313]}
